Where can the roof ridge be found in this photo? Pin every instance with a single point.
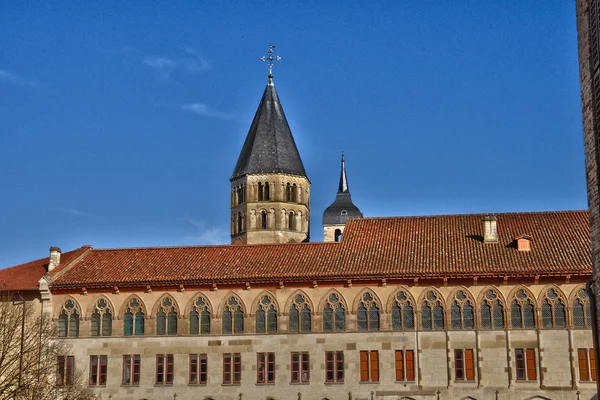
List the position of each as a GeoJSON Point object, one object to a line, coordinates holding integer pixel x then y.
{"type": "Point", "coordinates": [215, 246]}
{"type": "Point", "coordinates": [472, 214]}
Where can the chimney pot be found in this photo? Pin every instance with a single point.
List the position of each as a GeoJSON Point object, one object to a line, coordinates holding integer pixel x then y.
{"type": "Point", "coordinates": [54, 258]}
{"type": "Point", "coordinates": [490, 229]}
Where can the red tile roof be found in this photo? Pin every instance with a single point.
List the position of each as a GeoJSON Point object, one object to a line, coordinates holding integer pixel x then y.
{"type": "Point", "coordinates": [398, 247]}
{"type": "Point", "coordinates": [25, 277]}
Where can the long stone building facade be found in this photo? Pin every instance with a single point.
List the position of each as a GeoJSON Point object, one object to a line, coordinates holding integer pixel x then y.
{"type": "Point", "coordinates": [436, 307]}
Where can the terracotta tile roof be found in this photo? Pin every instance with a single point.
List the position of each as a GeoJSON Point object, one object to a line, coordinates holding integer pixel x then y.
{"type": "Point", "coordinates": [399, 247]}
{"type": "Point", "coordinates": [25, 277]}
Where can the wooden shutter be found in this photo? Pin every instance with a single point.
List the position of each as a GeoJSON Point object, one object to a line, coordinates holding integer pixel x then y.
{"type": "Point", "coordinates": [364, 366]}
{"type": "Point", "coordinates": [582, 358]}
{"type": "Point", "coordinates": [593, 364]}
{"type": "Point", "coordinates": [410, 365]}
{"type": "Point", "coordinates": [399, 365]}
{"type": "Point", "coordinates": [374, 366]}
{"type": "Point", "coordinates": [469, 365]}
{"type": "Point", "coordinates": [530, 360]}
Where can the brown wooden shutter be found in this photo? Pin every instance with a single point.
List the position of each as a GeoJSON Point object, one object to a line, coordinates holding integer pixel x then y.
{"type": "Point", "coordinates": [593, 364]}
{"type": "Point", "coordinates": [530, 360]}
{"type": "Point", "coordinates": [399, 365]}
{"type": "Point", "coordinates": [364, 366]}
{"type": "Point", "coordinates": [374, 366]}
{"type": "Point", "coordinates": [582, 357]}
{"type": "Point", "coordinates": [469, 365]}
{"type": "Point", "coordinates": [410, 365]}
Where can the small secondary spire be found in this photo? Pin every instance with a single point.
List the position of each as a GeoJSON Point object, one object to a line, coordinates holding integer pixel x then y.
{"type": "Point", "coordinates": [343, 188]}
{"type": "Point", "coordinates": [270, 58]}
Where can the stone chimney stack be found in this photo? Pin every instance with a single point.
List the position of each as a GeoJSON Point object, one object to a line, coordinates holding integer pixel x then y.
{"type": "Point", "coordinates": [54, 258]}
{"type": "Point", "coordinates": [490, 229]}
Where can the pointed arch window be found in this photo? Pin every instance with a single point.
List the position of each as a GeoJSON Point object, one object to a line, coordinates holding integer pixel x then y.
{"type": "Point", "coordinates": [492, 311]}
{"type": "Point", "coordinates": [134, 318]}
{"type": "Point", "coordinates": [300, 315]}
{"type": "Point", "coordinates": [233, 317]}
{"type": "Point", "coordinates": [334, 314]}
{"type": "Point", "coordinates": [553, 310]}
{"type": "Point", "coordinates": [522, 313]}
{"type": "Point", "coordinates": [582, 316]}
{"type": "Point", "coordinates": [200, 317]}
{"type": "Point", "coordinates": [266, 316]}
{"type": "Point", "coordinates": [403, 313]}
{"type": "Point", "coordinates": [263, 220]}
{"type": "Point", "coordinates": [68, 320]}
{"type": "Point", "coordinates": [462, 315]}
{"type": "Point", "coordinates": [368, 313]}
{"type": "Point", "coordinates": [432, 312]}
{"type": "Point", "coordinates": [166, 318]}
{"type": "Point", "coordinates": [101, 319]}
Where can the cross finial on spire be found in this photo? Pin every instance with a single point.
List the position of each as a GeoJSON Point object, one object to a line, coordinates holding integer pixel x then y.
{"type": "Point", "coordinates": [270, 58]}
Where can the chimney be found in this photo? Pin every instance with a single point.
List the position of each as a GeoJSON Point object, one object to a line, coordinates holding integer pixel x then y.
{"type": "Point", "coordinates": [54, 258]}
{"type": "Point", "coordinates": [490, 229]}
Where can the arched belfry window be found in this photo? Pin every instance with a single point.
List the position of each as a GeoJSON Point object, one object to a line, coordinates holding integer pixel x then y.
{"type": "Point", "coordinates": [266, 316]}
{"type": "Point", "coordinates": [200, 317]}
{"type": "Point", "coordinates": [291, 221]}
{"type": "Point", "coordinates": [553, 310]}
{"type": "Point", "coordinates": [522, 311]}
{"type": "Point", "coordinates": [462, 315]}
{"type": "Point", "coordinates": [263, 220]}
{"type": "Point", "coordinates": [403, 312]}
{"type": "Point", "coordinates": [239, 222]}
{"type": "Point", "coordinates": [166, 317]}
{"type": "Point", "coordinates": [300, 315]}
{"type": "Point", "coordinates": [368, 313]}
{"type": "Point", "coordinates": [134, 318]}
{"type": "Point", "coordinates": [288, 192]}
{"type": "Point", "coordinates": [432, 311]}
{"type": "Point", "coordinates": [260, 191]}
{"type": "Point", "coordinates": [267, 198]}
{"type": "Point", "coordinates": [338, 235]}
{"type": "Point", "coordinates": [233, 317]}
{"type": "Point", "coordinates": [101, 319]}
{"type": "Point", "coordinates": [334, 314]}
{"type": "Point", "coordinates": [68, 320]}
{"type": "Point", "coordinates": [582, 314]}
{"type": "Point", "coordinates": [492, 311]}
{"type": "Point", "coordinates": [294, 193]}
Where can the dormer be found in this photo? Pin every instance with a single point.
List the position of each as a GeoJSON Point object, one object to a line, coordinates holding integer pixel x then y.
{"type": "Point", "coordinates": [524, 242]}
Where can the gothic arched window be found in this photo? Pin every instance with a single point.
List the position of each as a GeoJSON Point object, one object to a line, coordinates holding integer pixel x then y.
{"type": "Point", "coordinates": [233, 317]}
{"type": "Point", "coordinates": [403, 312]}
{"type": "Point", "coordinates": [368, 313]}
{"type": "Point", "coordinates": [522, 313]}
{"type": "Point", "coordinates": [133, 319]}
{"type": "Point", "coordinates": [266, 316]}
{"type": "Point", "coordinates": [582, 315]}
{"type": "Point", "coordinates": [432, 312]}
{"type": "Point", "coordinates": [334, 314]}
{"type": "Point", "coordinates": [300, 315]}
{"type": "Point", "coordinates": [462, 315]}
{"type": "Point", "coordinates": [101, 319]}
{"type": "Point", "coordinates": [166, 318]}
{"type": "Point", "coordinates": [68, 320]}
{"type": "Point", "coordinates": [263, 219]}
{"type": "Point", "coordinates": [553, 310]}
{"type": "Point", "coordinates": [492, 311]}
{"type": "Point", "coordinates": [200, 317]}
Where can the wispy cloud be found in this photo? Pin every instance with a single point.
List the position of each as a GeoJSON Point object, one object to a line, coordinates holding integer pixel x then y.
{"type": "Point", "coordinates": [203, 110]}
{"type": "Point", "coordinates": [207, 235]}
{"type": "Point", "coordinates": [14, 78]}
{"type": "Point", "coordinates": [190, 62]}
{"type": "Point", "coordinates": [73, 211]}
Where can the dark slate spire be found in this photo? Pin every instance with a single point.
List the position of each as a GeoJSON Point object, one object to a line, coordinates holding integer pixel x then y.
{"type": "Point", "coordinates": [342, 208]}
{"type": "Point", "coordinates": [269, 145]}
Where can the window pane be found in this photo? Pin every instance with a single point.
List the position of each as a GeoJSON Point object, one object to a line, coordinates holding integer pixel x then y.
{"type": "Point", "coordinates": [486, 316]}
{"type": "Point", "coordinates": [172, 323]}
{"type": "Point", "coordinates": [62, 325]}
{"type": "Point", "coordinates": [161, 322]}
{"type": "Point", "coordinates": [227, 322]}
{"type": "Point", "coordinates": [438, 316]}
{"type": "Point", "coordinates": [107, 324]}
{"type": "Point", "coordinates": [340, 318]}
{"type": "Point", "coordinates": [294, 317]}
{"type": "Point", "coordinates": [396, 317]}
{"type": "Point", "coordinates": [426, 322]}
{"type": "Point", "coordinates": [306, 319]}
{"type": "Point", "coordinates": [95, 324]}
{"type": "Point", "coordinates": [194, 323]}
{"type": "Point", "coordinates": [498, 316]}
{"type": "Point", "coordinates": [272, 320]}
{"type": "Point", "coordinates": [515, 315]}
{"type": "Point", "coordinates": [327, 318]}
{"type": "Point", "coordinates": [362, 318]}
{"type": "Point", "coordinates": [260, 320]}
{"type": "Point", "coordinates": [239, 321]}
{"type": "Point", "coordinates": [205, 323]}
{"type": "Point", "coordinates": [409, 316]}
{"type": "Point", "coordinates": [455, 316]}
{"type": "Point", "coordinates": [139, 323]}
{"type": "Point", "coordinates": [74, 325]}
{"type": "Point", "coordinates": [373, 318]}
{"type": "Point", "coordinates": [578, 317]}
{"type": "Point", "coordinates": [559, 314]}
{"type": "Point", "coordinates": [468, 316]}
{"type": "Point", "coordinates": [547, 315]}
{"type": "Point", "coordinates": [528, 315]}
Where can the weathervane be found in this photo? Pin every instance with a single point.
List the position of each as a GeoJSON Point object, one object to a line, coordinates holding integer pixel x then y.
{"type": "Point", "coordinates": [270, 58]}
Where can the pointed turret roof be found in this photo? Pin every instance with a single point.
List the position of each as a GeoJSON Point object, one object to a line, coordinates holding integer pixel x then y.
{"type": "Point", "coordinates": [342, 208]}
{"type": "Point", "coordinates": [269, 145]}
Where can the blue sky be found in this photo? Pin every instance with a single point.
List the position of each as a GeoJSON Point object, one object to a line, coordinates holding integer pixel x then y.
{"type": "Point", "coordinates": [120, 123]}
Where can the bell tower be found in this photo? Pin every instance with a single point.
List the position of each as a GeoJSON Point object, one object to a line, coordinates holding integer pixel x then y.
{"type": "Point", "coordinates": [270, 192]}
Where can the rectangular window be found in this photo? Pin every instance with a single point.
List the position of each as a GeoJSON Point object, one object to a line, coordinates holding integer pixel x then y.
{"type": "Point", "coordinates": [464, 365]}
{"type": "Point", "coordinates": [66, 370]}
{"type": "Point", "coordinates": [164, 369]}
{"type": "Point", "coordinates": [131, 369]}
{"type": "Point", "coordinates": [405, 365]}
{"type": "Point", "coordinates": [300, 367]}
{"type": "Point", "coordinates": [587, 364]}
{"type": "Point", "coordinates": [232, 368]}
{"type": "Point", "coordinates": [525, 362]}
{"type": "Point", "coordinates": [334, 366]}
{"type": "Point", "coordinates": [198, 369]}
{"type": "Point", "coordinates": [265, 367]}
{"type": "Point", "coordinates": [369, 366]}
{"type": "Point", "coordinates": [98, 370]}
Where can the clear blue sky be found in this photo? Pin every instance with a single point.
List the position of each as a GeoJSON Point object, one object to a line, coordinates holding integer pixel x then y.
{"type": "Point", "coordinates": [121, 122]}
